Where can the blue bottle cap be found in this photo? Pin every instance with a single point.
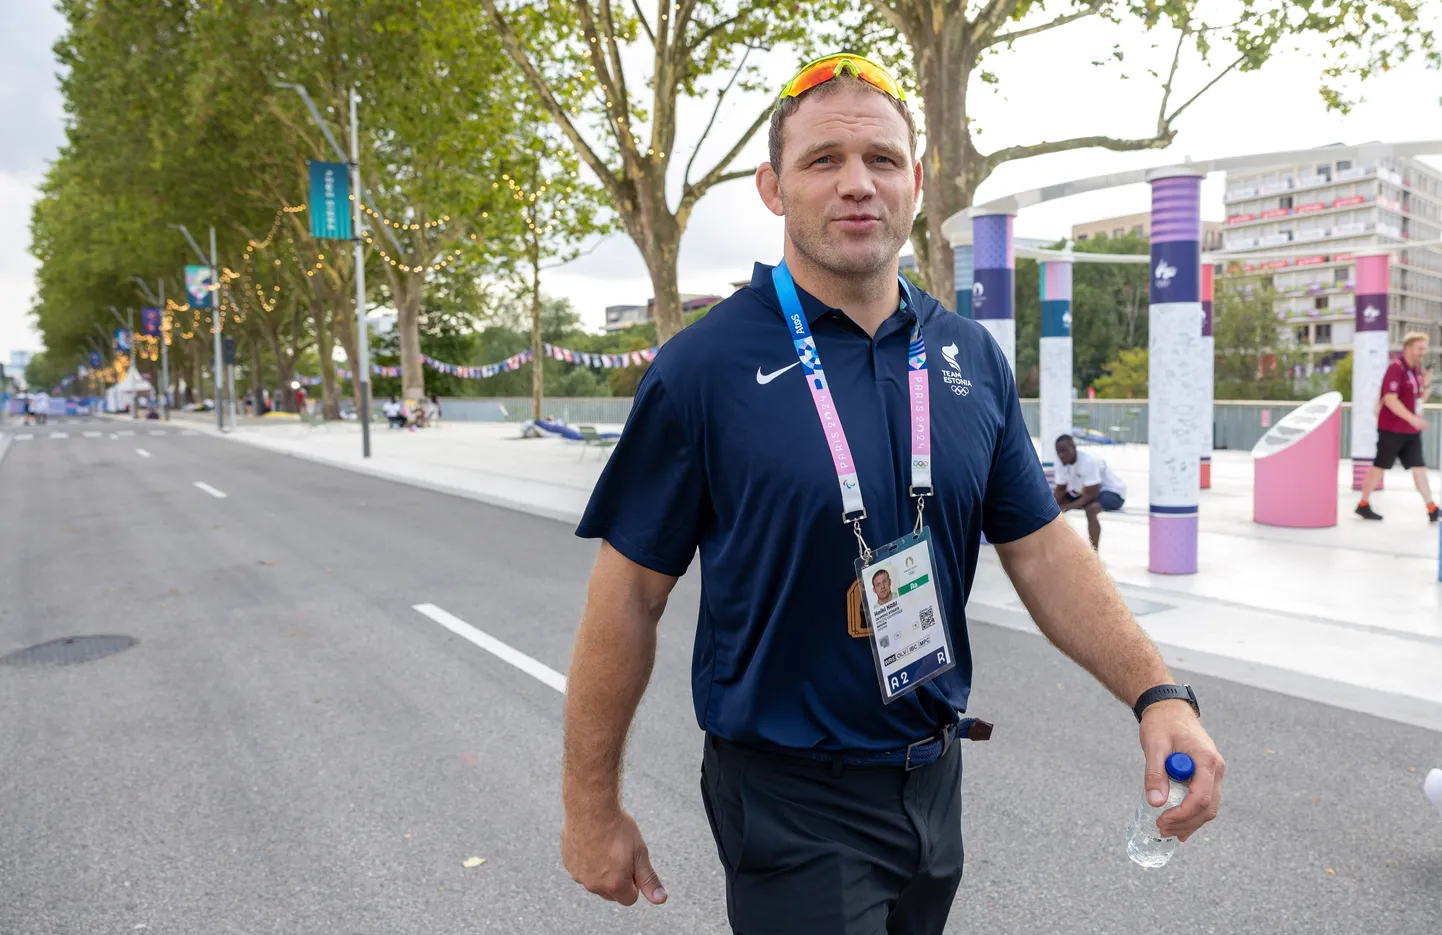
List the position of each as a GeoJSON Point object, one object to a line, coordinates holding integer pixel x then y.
{"type": "Point", "coordinates": [1180, 767]}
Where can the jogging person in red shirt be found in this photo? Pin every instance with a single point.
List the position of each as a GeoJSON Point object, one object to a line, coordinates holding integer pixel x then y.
{"type": "Point", "coordinates": [1399, 424]}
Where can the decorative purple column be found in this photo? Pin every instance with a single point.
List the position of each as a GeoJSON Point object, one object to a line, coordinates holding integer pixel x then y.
{"type": "Point", "coordinates": [1174, 411]}
{"type": "Point", "coordinates": [1369, 359]}
{"type": "Point", "coordinates": [994, 280]}
{"type": "Point", "coordinates": [1208, 377]}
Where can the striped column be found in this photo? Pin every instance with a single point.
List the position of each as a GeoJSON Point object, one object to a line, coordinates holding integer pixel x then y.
{"type": "Point", "coordinates": [1055, 359]}
{"type": "Point", "coordinates": [1369, 359]}
{"type": "Point", "coordinates": [1208, 377]}
{"type": "Point", "coordinates": [961, 275]}
{"type": "Point", "coordinates": [1174, 365]}
{"type": "Point", "coordinates": [994, 280]}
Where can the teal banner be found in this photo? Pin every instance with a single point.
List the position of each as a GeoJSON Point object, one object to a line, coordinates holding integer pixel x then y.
{"type": "Point", "coordinates": [330, 201]}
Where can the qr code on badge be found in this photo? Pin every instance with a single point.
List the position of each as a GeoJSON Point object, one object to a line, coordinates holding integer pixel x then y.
{"type": "Point", "coordinates": [927, 617]}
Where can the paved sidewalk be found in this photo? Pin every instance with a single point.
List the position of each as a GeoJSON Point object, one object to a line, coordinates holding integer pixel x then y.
{"type": "Point", "coordinates": [1350, 615]}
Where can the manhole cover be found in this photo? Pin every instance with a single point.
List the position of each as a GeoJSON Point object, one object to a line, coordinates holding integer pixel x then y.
{"type": "Point", "coordinates": [68, 651]}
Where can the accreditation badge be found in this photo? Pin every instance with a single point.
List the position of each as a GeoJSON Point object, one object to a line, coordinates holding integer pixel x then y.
{"type": "Point", "coordinates": [909, 637]}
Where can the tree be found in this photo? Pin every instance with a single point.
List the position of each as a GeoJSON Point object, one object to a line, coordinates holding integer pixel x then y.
{"type": "Point", "coordinates": [1110, 303]}
{"type": "Point", "coordinates": [1252, 360]}
{"type": "Point", "coordinates": [571, 53]}
{"type": "Point", "coordinates": [954, 41]}
{"type": "Point", "coordinates": [1342, 377]}
{"type": "Point", "coordinates": [1125, 377]}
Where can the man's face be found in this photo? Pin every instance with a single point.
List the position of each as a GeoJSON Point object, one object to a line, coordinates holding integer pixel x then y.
{"type": "Point", "coordinates": [847, 185]}
{"type": "Point", "coordinates": [881, 584]}
{"type": "Point", "coordinates": [1415, 353]}
{"type": "Point", "coordinates": [1066, 451]}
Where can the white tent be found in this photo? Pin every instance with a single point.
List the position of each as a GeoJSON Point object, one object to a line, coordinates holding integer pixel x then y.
{"type": "Point", "coordinates": [122, 395]}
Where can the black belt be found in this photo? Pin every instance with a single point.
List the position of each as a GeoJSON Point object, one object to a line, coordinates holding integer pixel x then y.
{"type": "Point", "coordinates": [915, 755]}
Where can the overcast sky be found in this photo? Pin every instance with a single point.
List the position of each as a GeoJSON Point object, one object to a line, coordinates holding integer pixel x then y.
{"type": "Point", "coordinates": [1049, 91]}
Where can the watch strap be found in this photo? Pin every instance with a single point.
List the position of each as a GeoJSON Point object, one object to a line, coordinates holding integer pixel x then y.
{"type": "Point", "coordinates": [1165, 693]}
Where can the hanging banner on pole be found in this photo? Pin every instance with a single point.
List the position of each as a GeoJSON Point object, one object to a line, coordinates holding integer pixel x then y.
{"type": "Point", "coordinates": [122, 341]}
{"type": "Point", "coordinates": [330, 201]}
{"type": "Point", "coordinates": [198, 286]}
{"type": "Point", "coordinates": [150, 321]}
{"type": "Point", "coordinates": [96, 361]}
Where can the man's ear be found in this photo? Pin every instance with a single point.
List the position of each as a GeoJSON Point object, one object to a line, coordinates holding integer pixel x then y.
{"type": "Point", "coordinates": [768, 185]}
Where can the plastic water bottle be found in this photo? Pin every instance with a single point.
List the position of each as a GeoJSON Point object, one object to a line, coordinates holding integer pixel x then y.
{"type": "Point", "coordinates": [1432, 787]}
{"type": "Point", "coordinates": [1145, 845]}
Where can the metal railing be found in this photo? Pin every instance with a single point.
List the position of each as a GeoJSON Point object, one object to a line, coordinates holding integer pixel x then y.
{"type": "Point", "coordinates": [1237, 424]}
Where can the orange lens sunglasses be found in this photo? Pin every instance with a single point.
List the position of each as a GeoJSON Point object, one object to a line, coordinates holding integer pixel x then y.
{"type": "Point", "coordinates": [824, 69]}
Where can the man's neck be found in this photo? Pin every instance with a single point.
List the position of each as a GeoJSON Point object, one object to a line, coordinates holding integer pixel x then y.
{"type": "Point", "coordinates": [867, 300]}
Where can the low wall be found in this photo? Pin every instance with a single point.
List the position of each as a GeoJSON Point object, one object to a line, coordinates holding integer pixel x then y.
{"type": "Point", "coordinates": [1238, 423]}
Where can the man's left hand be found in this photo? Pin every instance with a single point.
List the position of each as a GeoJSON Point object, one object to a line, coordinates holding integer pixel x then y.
{"type": "Point", "coordinates": [1173, 727]}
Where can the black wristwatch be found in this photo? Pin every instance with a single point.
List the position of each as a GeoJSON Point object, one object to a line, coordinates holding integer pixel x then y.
{"type": "Point", "coordinates": [1165, 693]}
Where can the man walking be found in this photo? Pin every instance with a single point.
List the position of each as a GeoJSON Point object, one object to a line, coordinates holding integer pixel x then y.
{"type": "Point", "coordinates": [802, 435]}
{"type": "Point", "coordinates": [1400, 425]}
{"type": "Point", "coordinates": [1086, 482]}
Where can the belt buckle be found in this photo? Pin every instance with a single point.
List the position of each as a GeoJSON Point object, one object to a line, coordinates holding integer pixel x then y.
{"type": "Point", "coordinates": [906, 764]}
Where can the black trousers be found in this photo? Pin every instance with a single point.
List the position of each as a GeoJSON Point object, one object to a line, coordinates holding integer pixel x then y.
{"type": "Point", "coordinates": [809, 849]}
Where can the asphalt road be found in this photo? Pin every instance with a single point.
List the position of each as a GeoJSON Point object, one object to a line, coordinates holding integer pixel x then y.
{"type": "Point", "coordinates": [292, 748]}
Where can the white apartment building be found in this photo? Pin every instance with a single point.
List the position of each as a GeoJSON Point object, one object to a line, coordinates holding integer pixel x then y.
{"type": "Point", "coordinates": [1336, 208]}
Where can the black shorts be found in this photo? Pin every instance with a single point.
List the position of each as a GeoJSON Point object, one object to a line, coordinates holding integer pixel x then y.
{"type": "Point", "coordinates": [1394, 445]}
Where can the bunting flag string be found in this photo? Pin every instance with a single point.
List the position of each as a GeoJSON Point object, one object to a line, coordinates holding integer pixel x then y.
{"type": "Point", "coordinates": [514, 362]}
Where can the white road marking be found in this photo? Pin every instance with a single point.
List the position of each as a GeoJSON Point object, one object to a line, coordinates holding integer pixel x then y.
{"type": "Point", "coordinates": [59, 434]}
{"type": "Point", "coordinates": [125, 432]}
{"type": "Point", "coordinates": [24, 438]}
{"type": "Point", "coordinates": [187, 432]}
{"type": "Point", "coordinates": [145, 454]}
{"type": "Point", "coordinates": [91, 434]}
{"type": "Point", "coordinates": [113, 436]}
{"type": "Point", "coordinates": [537, 670]}
{"type": "Point", "coordinates": [210, 490]}
{"type": "Point", "coordinates": [156, 432]}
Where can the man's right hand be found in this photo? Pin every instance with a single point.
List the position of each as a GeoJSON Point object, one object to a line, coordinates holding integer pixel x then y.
{"type": "Point", "coordinates": [607, 856]}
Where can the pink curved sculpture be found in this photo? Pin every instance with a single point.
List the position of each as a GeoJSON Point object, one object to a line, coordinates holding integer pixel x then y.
{"type": "Point", "coordinates": [1295, 467]}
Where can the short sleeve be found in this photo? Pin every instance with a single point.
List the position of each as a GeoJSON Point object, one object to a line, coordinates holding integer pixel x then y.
{"type": "Point", "coordinates": [1393, 381]}
{"type": "Point", "coordinates": [649, 499]}
{"type": "Point", "coordinates": [1090, 473]}
{"type": "Point", "coordinates": [1018, 501]}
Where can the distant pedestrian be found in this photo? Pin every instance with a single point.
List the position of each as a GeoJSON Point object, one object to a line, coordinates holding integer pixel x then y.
{"type": "Point", "coordinates": [1085, 482]}
{"type": "Point", "coordinates": [1400, 425]}
{"type": "Point", "coordinates": [395, 415]}
{"type": "Point", "coordinates": [40, 405]}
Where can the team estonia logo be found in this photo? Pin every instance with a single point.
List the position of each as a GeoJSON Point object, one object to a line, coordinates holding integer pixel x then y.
{"type": "Point", "coordinates": [953, 378]}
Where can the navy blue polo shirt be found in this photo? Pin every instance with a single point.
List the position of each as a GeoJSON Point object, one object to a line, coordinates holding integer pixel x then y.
{"type": "Point", "coordinates": [723, 455]}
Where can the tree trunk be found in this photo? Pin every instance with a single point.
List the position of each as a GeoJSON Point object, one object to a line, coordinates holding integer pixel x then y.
{"type": "Point", "coordinates": [408, 322]}
{"type": "Point", "coordinates": [257, 375]}
{"type": "Point", "coordinates": [661, 264]}
{"type": "Point", "coordinates": [325, 337]}
{"type": "Point", "coordinates": [943, 71]}
{"type": "Point", "coordinates": [196, 390]}
{"type": "Point", "coordinates": [285, 373]}
{"type": "Point", "coordinates": [345, 329]}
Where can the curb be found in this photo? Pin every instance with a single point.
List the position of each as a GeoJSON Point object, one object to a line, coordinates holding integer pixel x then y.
{"type": "Point", "coordinates": [505, 503]}
{"type": "Point", "coordinates": [1403, 709]}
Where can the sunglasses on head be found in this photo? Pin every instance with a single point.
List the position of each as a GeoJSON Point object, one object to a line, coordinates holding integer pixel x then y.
{"type": "Point", "coordinates": [824, 69]}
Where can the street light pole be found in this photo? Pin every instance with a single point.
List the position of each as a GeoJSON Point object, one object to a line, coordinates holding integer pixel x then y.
{"type": "Point", "coordinates": [214, 313]}
{"type": "Point", "coordinates": [362, 340]}
{"type": "Point", "coordinates": [215, 326]}
{"type": "Point", "coordinates": [362, 379]}
{"type": "Point", "coordinates": [164, 357]}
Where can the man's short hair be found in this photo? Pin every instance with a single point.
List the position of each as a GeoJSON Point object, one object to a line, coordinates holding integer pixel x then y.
{"type": "Point", "coordinates": [1413, 337]}
{"type": "Point", "coordinates": [844, 81]}
{"type": "Point", "coordinates": [878, 573]}
{"type": "Point", "coordinates": [1065, 438]}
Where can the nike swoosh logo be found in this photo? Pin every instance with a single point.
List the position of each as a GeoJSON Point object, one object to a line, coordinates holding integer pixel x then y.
{"type": "Point", "coordinates": [765, 378]}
